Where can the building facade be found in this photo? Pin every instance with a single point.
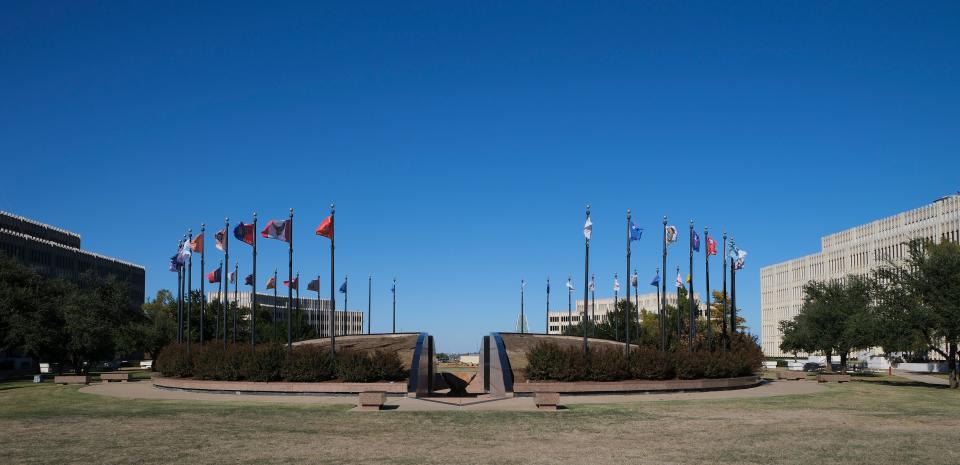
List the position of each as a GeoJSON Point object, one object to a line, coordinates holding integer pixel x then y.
{"type": "Point", "coordinates": [560, 319]}
{"type": "Point", "coordinates": [314, 311]}
{"type": "Point", "coordinates": [855, 251]}
{"type": "Point", "coordinates": [56, 253]}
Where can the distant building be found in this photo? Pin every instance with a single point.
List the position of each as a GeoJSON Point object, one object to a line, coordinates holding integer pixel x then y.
{"type": "Point", "coordinates": [855, 251]}
{"type": "Point", "coordinates": [56, 252]}
{"type": "Point", "coordinates": [348, 322]}
{"type": "Point", "coordinates": [647, 302]}
{"type": "Point", "coordinates": [470, 359]}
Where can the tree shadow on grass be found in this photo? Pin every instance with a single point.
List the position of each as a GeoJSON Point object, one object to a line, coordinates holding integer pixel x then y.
{"type": "Point", "coordinates": [911, 384]}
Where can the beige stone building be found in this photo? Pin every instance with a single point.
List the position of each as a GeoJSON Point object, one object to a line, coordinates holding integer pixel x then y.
{"type": "Point", "coordinates": [559, 320]}
{"type": "Point", "coordinates": [856, 251]}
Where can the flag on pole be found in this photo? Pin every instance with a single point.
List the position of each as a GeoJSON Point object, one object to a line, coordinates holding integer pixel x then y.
{"type": "Point", "coordinates": [314, 285]}
{"type": "Point", "coordinates": [174, 265]}
{"type": "Point", "coordinates": [616, 284]}
{"type": "Point", "coordinates": [248, 280]}
{"type": "Point", "coordinates": [394, 287]}
{"type": "Point", "coordinates": [279, 230]}
{"type": "Point", "coordinates": [343, 287]}
{"type": "Point", "coordinates": [634, 279]}
{"type": "Point", "coordinates": [196, 244]}
{"type": "Point", "coordinates": [220, 239]}
{"type": "Point", "coordinates": [696, 241]}
{"type": "Point", "coordinates": [296, 283]}
{"type": "Point", "coordinates": [243, 232]}
{"type": "Point", "coordinates": [656, 281]}
{"type": "Point", "coordinates": [711, 246]}
{"type": "Point", "coordinates": [233, 277]}
{"type": "Point", "coordinates": [214, 276]}
{"type": "Point", "coordinates": [548, 286]}
{"type": "Point", "coordinates": [588, 228]}
{"type": "Point", "coordinates": [679, 280]}
{"type": "Point", "coordinates": [183, 254]}
{"type": "Point", "coordinates": [671, 235]}
{"type": "Point", "coordinates": [272, 283]}
{"type": "Point", "coordinates": [688, 278]}
{"type": "Point", "coordinates": [635, 231]}
{"type": "Point", "coordinates": [326, 227]}
{"type": "Point", "coordinates": [570, 285]}
{"type": "Point", "coordinates": [738, 262]}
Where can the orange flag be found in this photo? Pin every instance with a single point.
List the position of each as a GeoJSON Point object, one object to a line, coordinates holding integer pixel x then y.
{"type": "Point", "coordinates": [196, 244]}
{"type": "Point", "coordinates": [326, 228]}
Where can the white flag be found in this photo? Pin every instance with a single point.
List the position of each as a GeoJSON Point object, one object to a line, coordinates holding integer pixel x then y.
{"type": "Point", "coordinates": [616, 285]}
{"type": "Point", "coordinates": [633, 280]}
{"type": "Point", "coordinates": [679, 280]}
{"type": "Point", "coordinates": [593, 285]}
{"type": "Point", "coordinates": [671, 234]}
{"type": "Point", "coordinates": [741, 256]}
{"type": "Point", "coordinates": [588, 228]}
{"type": "Point", "coordinates": [184, 253]}
{"type": "Point", "coordinates": [569, 285]}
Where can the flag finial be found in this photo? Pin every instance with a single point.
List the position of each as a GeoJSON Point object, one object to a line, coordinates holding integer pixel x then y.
{"type": "Point", "coordinates": [291, 211]}
{"type": "Point", "coordinates": [333, 207]}
{"type": "Point", "coordinates": [189, 230]}
{"type": "Point", "coordinates": [254, 216]}
{"type": "Point", "coordinates": [202, 226]}
{"type": "Point", "coordinates": [664, 220]}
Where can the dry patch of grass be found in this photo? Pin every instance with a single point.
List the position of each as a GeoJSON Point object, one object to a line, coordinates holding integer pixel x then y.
{"type": "Point", "coordinates": [875, 423]}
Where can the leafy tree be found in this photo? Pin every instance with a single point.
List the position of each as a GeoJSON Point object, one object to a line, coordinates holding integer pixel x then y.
{"type": "Point", "coordinates": [919, 300]}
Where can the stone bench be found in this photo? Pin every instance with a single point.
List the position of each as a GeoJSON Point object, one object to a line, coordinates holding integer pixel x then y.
{"type": "Point", "coordinates": [833, 378]}
{"type": "Point", "coordinates": [791, 375]}
{"type": "Point", "coordinates": [546, 400]}
{"type": "Point", "coordinates": [371, 400]}
{"type": "Point", "coordinates": [71, 379]}
{"type": "Point", "coordinates": [107, 377]}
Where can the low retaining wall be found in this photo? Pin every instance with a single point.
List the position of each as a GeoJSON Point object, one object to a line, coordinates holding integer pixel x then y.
{"type": "Point", "coordinates": [598, 387]}
{"type": "Point", "coordinates": [252, 387]}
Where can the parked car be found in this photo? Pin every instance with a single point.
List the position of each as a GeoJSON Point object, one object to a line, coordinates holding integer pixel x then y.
{"type": "Point", "coordinates": [812, 367]}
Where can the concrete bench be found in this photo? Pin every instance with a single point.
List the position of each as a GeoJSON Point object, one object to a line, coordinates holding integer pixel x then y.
{"type": "Point", "coordinates": [546, 400]}
{"type": "Point", "coordinates": [146, 364]}
{"type": "Point", "coordinates": [371, 400]}
{"type": "Point", "coordinates": [833, 378]}
{"type": "Point", "coordinates": [107, 377]}
{"type": "Point", "coordinates": [71, 379]}
{"type": "Point", "coordinates": [791, 375]}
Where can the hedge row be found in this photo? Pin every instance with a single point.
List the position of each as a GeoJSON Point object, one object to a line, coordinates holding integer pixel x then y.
{"type": "Point", "coordinates": [549, 361]}
{"type": "Point", "coordinates": [273, 362]}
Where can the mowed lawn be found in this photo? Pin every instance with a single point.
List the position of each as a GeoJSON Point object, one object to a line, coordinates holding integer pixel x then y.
{"type": "Point", "coordinates": [879, 422]}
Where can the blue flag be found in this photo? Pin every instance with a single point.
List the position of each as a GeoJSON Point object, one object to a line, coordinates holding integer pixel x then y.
{"type": "Point", "coordinates": [635, 231]}
{"type": "Point", "coordinates": [656, 280]}
{"type": "Point", "coordinates": [696, 241]}
{"type": "Point", "coordinates": [174, 266]}
{"type": "Point", "coordinates": [343, 288]}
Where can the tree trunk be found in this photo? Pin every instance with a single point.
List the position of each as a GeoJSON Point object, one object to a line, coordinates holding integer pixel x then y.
{"type": "Point", "coordinates": [952, 364]}
{"type": "Point", "coordinates": [829, 366]}
{"type": "Point", "coordinates": [843, 362]}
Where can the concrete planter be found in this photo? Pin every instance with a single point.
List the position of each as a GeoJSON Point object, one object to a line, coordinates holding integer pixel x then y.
{"type": "Point", "coordinates": [594, 387]}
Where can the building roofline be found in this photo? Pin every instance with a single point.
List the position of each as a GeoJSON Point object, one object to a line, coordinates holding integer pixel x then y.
{"type": "Point", "coordinates": [69, 248]}
{"type": "Point", "coordinates": [37, 223]}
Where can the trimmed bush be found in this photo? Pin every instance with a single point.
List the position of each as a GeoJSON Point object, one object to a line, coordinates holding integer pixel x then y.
{"type": "Point", "coordinates": [174, 361]}
{"type": "Point", "coordinates": [690, 365]}
{"type": "Point", "coordinates": [309, 363]}
{"type": "Point", "coordinates": [606, 364]}
{"type": "Point", "coordinates": [368, 367]}
{"type": "Point", "coordinates": [265, 362]}
{"type": "Point", "coordinates": [651, 364]}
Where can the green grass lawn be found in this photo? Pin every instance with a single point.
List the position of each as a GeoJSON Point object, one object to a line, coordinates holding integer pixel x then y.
{"type": "Point", "coordinates": [883, 421]}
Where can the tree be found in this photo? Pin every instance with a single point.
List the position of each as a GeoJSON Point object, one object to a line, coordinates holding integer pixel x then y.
{"type": "Point", "coordinates": [919, 299]}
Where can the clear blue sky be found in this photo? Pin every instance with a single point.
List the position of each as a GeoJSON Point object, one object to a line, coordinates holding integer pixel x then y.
{"type": "Point", "coordinates": [461, 140]}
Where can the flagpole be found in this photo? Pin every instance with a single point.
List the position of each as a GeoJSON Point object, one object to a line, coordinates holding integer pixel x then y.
{"type": "Point", "coordinates": [203, 295]}
{"type": "Point", "coordinates": [692, 334]}
{"type": "Point", "coordinates": [290, 280]}
{"type": "Point", "coordinates": [319, 335]}
{"type": "Point", "coordinates": [226, 290]}
{"type": "Point", "coordinates": [636, 301]}
{"type": "Point", "coordinates": [253, 305]}
{"type": "Point", "coordinates": [616, 330]}
{"type": "Point", "coordinates": [706, 269]}
{"type": "Point", "coordinates": [369, 300]}
{"type": "Point", "coordinates": [274, 311]}
{"type": "Point", "coordinates": [521, 306]}
{"type": "Point", "coordinates": [679, 310]}
{"type": "Point", "coordinates": [733, 294]}
{"type": "Point", "coordinates": [586, 282]}
{"type": "Point", "coordinates": [179, 295]}
{"type": "Point", "coordinates": [724, 320]}
{"type": "Point", "coordinates": [236, 293]}
{"type": "Point", "coordinates": [346, 293]}
{"type": "Point", "coordinates": [299, 315]}
{"type": "Point", "coordinates": [394, 290]}
{"type": "Point", "coordinates": [569, 305]}
{"type": "Point", "coordinates": [546, 329]}
{"type": "Point", "coordinates": [663, 284]}
{"type": "Point", "coordinates": [221, 293]}
{"type": "Point", "coordinates": [333, 296]}
{"type": "Point", "coordinates": [189, 287]}
{"type": "Point", "coordinates": [593, 303]}
{"type": "Point", "coordinates": [626, 313]}
{"type": "Point", "coordinates": [659, 309]}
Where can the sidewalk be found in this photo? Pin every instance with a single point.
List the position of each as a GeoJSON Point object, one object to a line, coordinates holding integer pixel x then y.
{"type": "Point", "coordinates": [922, 378]}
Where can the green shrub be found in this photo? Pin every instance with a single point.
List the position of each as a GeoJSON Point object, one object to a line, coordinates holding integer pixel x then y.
{"type": "Point", "coordinates": [649, 363]}
{"type": "Point", "coordinates": [265, 362]}
{"type": "Point", "coordinates": [368, 367]}
{"type": "Point", "coordinates": [213, 361]}
{"type": "Point", "coordinates": [308, 363]}
{"type": "Point", "coordinates": [606, 363]}
{"type": "Point", "coordinates": [174, 361]}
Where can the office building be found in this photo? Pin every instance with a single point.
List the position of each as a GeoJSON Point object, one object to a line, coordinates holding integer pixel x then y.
{"type": "Point", "coordinates": [647, 302]}
{"type": "Point", "coordinates": [314, 311]}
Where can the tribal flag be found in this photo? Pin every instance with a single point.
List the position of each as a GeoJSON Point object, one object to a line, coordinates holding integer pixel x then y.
{"type": "Point", "coordinates": [174, 266]}
{"type": "Point", "coordinates": [739, 260]}
{"type": "Point", "coordinates": [656, 281]}
{"type": "Point", "coordinates": [243, 232]}
{"type": "Point", "coordinates": [588, 228]}
{"type": "Point", "coordinates": [183, 254]}
{"type": "Point", "coordinates": [248, 280]}
{"type": "Point", "coordinates": [343, 287]}
{"type": "Point", "coordinates": [616, 284]}
{"type": "Point", "coordinates": [634, 279]}
{"type": "Point", "coordinates": [221, 238]}
{"type": "Point", "coordinates": [593, 285]}
{"type": "Point", "coordinates": [679, 280]}
{"type": "Point", "coordinates": [326, 228]}
{"type": "Point", "coordinates": [635, 231]}
{"type": "Point", "coordinates": [214, 276]}
{"type": "Point", "coordinates": [569, 285]}
{"type": "Point", "coordinates": [233, 277]}
{"type": "Point", "coordinates": [279, 230]}
{"type": "Point", "coordinates": [711, 246]}
{"type": "Point", "coordinates": [296, 283]}
{"type": "Point", "coordinates": [314, 285]}
{"type": "Point", "coordinates": [688, 278]}
{"type": "Point", "coordinates": [695, 240]}
{"type": "Point", "coordinates": [196, 244]}
{"type": "Point", "coordinates": [272, 282]}
{"type": "Point", "coordinates": [671, 235]}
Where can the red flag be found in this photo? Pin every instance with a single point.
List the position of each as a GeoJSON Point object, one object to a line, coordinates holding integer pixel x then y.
{"type": "Point", "coordinates": [220, 238]}
{"type": "Point", "coordinates": [711, 246]}
{"type": "Point", "coordinates": [314, 285]}
{"type": "Point", "coordinates": [271, 283]}
{"type": "Point", "coordinates": [279, 230]}
{"type": "Point", "coordinates": [326, 228]}
{"type": "Point", "coordinates": [214, 276]}
{"type": "Point", "coordinates": [196, 244]}
{"type": "Point", "coordinates": [296, 283]}
{"type": "Point", "coordinates": [244, 232]}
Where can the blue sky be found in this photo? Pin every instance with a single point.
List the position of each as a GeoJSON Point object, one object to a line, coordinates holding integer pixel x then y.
{"type": "Point", "coordinates": [461, 140]}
